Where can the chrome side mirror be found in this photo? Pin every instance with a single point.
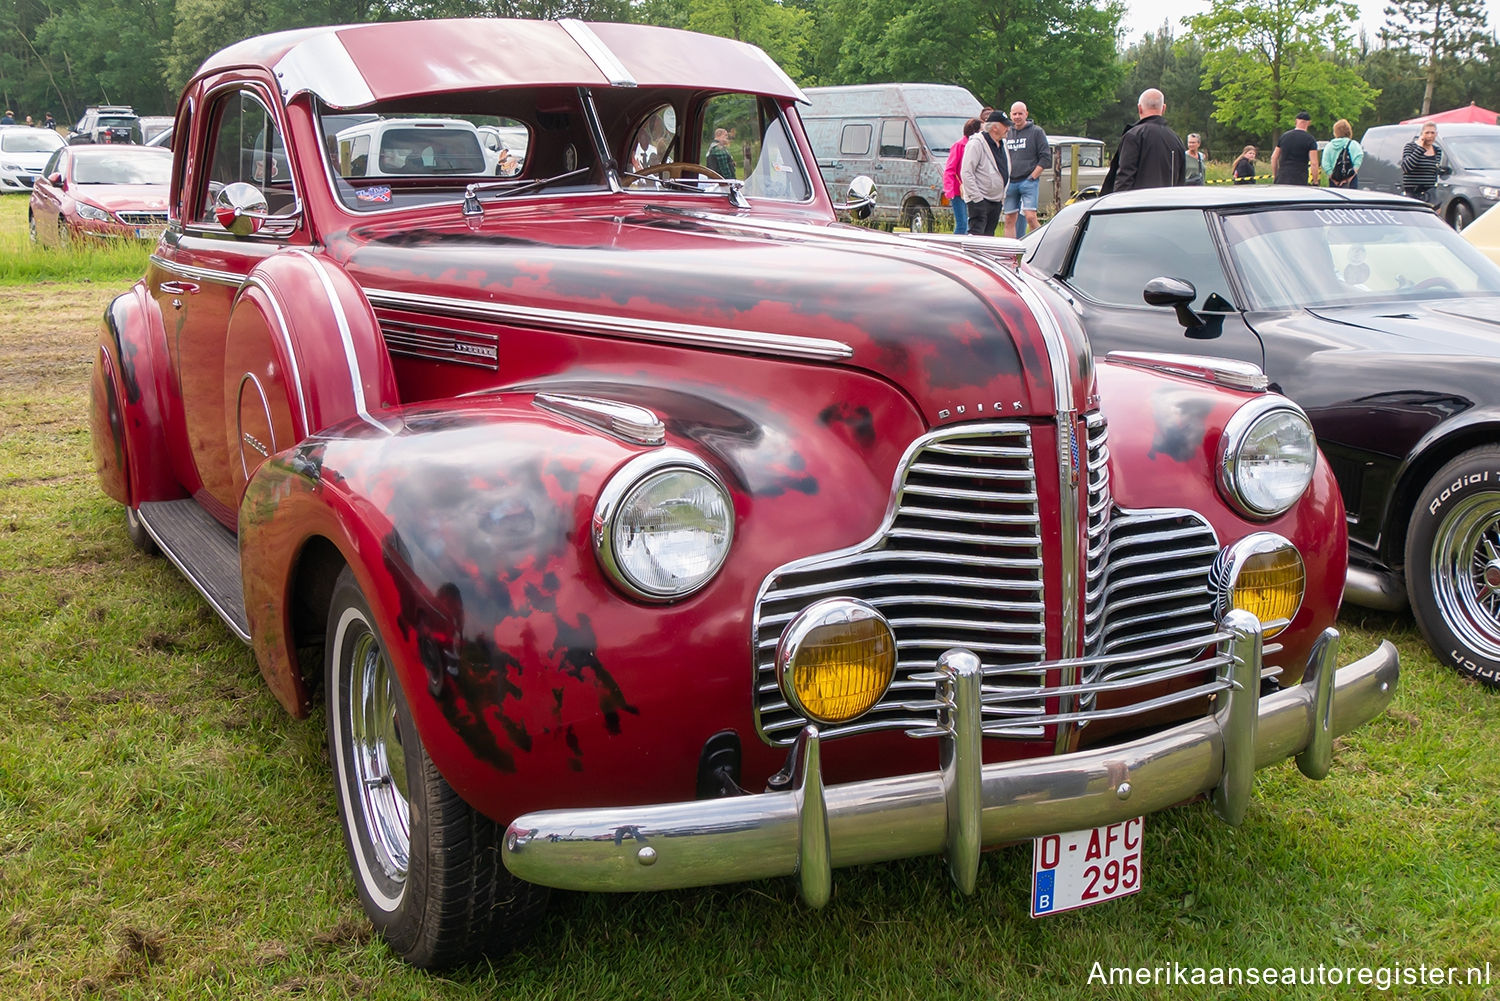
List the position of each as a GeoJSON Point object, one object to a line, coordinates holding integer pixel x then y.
{"type": "Point", "coordinates": [859, 200]}
{"type": "Point", "coordinates": [241, 208]}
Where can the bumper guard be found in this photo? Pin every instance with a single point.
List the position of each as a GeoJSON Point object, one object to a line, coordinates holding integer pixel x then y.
{"type": "Point", "coordinates": [967, 805]}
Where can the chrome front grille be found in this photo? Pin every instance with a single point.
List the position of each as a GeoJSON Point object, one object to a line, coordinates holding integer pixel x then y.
{"type": "Point", "coordinates": [959, 564]}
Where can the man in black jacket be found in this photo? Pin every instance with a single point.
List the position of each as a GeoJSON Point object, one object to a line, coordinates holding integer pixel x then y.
{"type": "Point", "coordinates": [1150, 155]}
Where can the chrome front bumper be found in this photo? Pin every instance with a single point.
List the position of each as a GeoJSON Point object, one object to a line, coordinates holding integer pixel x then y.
{"type": "Point", "coordinates": [811, 829]}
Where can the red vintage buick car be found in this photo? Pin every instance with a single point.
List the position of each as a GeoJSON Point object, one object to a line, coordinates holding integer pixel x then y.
{"type": "Point", "coordinates": [643, 528]}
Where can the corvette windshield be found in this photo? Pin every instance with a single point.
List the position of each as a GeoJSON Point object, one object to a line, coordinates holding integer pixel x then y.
{"type": "Point", "coordinates": [1309, 257]}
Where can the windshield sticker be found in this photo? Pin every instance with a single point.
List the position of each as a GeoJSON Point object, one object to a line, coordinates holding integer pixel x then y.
{"type": "Point", "coordinates": [381, 193]}
{"type": "Point", "coordinates": [1372, 217]}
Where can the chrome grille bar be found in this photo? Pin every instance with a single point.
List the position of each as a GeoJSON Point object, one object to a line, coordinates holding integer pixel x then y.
{"type": "Point", "coordinates": [957, 562]}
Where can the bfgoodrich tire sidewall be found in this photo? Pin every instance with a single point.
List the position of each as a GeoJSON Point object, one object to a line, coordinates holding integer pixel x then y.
{"type": "Point", "coordinates": [1465, 490]}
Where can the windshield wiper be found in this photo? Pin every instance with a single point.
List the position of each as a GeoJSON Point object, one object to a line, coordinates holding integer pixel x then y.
{"type": "Point", "coordinates": [700, 185]}
{"type": "Point", "coordinates": [507, 188]}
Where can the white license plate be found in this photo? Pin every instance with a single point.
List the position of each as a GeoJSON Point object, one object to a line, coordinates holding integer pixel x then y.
{"type": "Point", "coordinates": [1080, 868]}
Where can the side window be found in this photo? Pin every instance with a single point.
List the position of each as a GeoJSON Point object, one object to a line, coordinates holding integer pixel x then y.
{"type": "Point", "coordinates": [53, 162]}
{"type": "Point", "coordinates": [246, 146]}
{"type": "Point", "coordinates": [1109, 266]}
{"type": "Point", "coordinates": [896, 138]}
{"type": "Point", "coordinates": [856, 140]}
{"type": "Point", "coordinates": [745, 137]}
{"type": "Point", "coordinates": [730, 140]}
{"type": "Point", "coordinates": [655, 139]}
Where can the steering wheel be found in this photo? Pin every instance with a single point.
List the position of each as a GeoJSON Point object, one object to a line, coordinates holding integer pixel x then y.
{"type": "Point", "coordinates": [1437, 281]}
{"type": "Point", "coordinates": [675, 171]}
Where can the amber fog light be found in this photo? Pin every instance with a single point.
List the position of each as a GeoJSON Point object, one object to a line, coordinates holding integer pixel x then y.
{"type": "Point", "coordinates": [836, 659]}
{"type": "Point", "coordinates": [1261, 574]}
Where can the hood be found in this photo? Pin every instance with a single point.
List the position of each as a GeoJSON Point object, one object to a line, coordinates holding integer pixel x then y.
{"type": "Point", "coordinates": [124, 197]}
{"type": "Point", "coordinates": [1470, 326]}
{"type": "Point", "coordinates": [955, 333]}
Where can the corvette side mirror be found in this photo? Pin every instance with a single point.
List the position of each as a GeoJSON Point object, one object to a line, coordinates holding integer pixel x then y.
{"type": "Point", "coordinates": [1178, 293]}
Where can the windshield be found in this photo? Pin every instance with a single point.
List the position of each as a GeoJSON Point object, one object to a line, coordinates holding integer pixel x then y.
{"type": "Point", "coordinates": [144, 169]}
{"type": "Point", "coordinates": [1292, 258]}
{"type": "Point", "coordinates": [1474, 152]}
{"type": "Point", "coordinates": [941, 133]}
{"type": "Point", "coordinates": [431, 148]}
{"type": "Point", "coordinates": [671, 142]}
{"type": "Point", "coordinates": [30, 142]}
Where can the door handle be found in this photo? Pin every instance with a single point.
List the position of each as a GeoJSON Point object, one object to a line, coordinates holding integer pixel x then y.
{"type": "Point", "coordinates": [179, 288]}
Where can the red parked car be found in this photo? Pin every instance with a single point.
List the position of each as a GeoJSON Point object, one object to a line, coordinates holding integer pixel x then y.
{"type": "Point", "coordinates": [100, 192]}
{"type": "Point", "coordinates": [643, 528]}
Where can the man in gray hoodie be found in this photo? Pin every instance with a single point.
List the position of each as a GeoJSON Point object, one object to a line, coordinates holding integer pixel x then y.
{"type": "Point", "coordinates": [1030, 154]}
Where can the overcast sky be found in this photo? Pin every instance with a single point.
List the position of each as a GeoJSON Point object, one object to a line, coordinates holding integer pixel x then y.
{"type": "Point", "coordinates": [1145, 16]}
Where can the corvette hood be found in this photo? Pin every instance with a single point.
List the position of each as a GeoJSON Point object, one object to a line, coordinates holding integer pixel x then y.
{"type": "Point", "coordinates": [1467, 326]}
{"type": "Point", "coordinates": [951, 330]}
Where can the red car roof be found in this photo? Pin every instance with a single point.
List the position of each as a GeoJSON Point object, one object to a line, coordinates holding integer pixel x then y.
{"type": "Point", "coordinates": [353, 65]}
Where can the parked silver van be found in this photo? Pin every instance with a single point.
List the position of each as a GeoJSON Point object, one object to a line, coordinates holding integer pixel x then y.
{"type": "Point", "coordinates": [1468, 179]}
{"type": "Point", "coordinates": [898, 134]}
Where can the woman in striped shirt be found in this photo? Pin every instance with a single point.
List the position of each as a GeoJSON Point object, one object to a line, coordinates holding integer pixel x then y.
{"type": "Point", "coordinates": [1419, 164]}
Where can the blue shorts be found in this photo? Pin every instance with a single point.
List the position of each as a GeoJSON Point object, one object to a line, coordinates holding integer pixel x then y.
{"type": "Point", "coordinates": [1021, 195]}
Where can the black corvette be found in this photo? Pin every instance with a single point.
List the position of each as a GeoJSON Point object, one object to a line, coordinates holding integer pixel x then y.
{"type": "Point", "coordinates": [1368, 311]}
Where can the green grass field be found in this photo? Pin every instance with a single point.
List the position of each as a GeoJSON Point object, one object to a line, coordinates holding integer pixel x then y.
{"type": "Point", "coordinates": [167, 832]}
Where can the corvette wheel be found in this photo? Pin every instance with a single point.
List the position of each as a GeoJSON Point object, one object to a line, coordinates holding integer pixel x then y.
{"type": "Point", "coordinates": [426, 864]}
{"type": "Point", "coordinates": [1453, 564]}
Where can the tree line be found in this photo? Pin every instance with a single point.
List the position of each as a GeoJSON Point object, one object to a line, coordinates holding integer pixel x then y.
{"type": "Point", "coordinates": [1235, 74]}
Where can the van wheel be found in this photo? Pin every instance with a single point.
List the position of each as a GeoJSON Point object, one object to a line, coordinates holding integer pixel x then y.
{"type": "Point", "coordinates": [1453, 563]}
{"type": "Point", "coordinates": [426, 864]}
{"type": "Point", "coordinates": [917, 217]}
{"type": "Point", "coordinates": [1460, 215]}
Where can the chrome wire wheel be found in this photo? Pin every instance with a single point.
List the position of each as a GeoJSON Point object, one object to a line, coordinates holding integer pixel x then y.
{"type": "Point", "coordinates": [378, 758]}
{"type": "Point", "coordinates": [1465, 572]}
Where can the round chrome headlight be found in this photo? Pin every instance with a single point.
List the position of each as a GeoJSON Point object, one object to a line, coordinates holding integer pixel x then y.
{"type": "Point", "coordinates": [1266, 457]}
{"type": "Point", "coordinates": [663, 525]}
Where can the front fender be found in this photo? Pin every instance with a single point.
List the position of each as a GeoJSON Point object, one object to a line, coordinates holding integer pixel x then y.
{"type": "Point", "coordinates": [1164, 435]}
{"type": "Point", "coordinates": [1469, 429]}
{"type": "Point", "coordinates": [532, 679]}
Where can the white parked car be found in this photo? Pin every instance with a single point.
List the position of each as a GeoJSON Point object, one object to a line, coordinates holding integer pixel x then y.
{"type": "Point", "coordinates": [390, 147]}
{"type": "Point", "coordinates": [23, 153]}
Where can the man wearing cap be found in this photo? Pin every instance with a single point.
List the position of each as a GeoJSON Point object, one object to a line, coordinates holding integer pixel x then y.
{"type": "Point", "coordinates": [985, 172]}
{"type": "Point", "coordinates": [1295, 160]}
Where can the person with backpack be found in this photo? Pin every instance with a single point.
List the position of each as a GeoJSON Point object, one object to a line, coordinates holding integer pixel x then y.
{"type": "Point", "coordinates": [1342, 157]}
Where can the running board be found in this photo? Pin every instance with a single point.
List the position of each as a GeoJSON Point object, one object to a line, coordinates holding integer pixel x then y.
{"type": "Point", "coordinates": [206, 552]}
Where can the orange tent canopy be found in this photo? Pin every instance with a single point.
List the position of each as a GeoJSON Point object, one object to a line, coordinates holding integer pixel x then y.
{"type": "Point", "coordinates": [1473, 113]}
